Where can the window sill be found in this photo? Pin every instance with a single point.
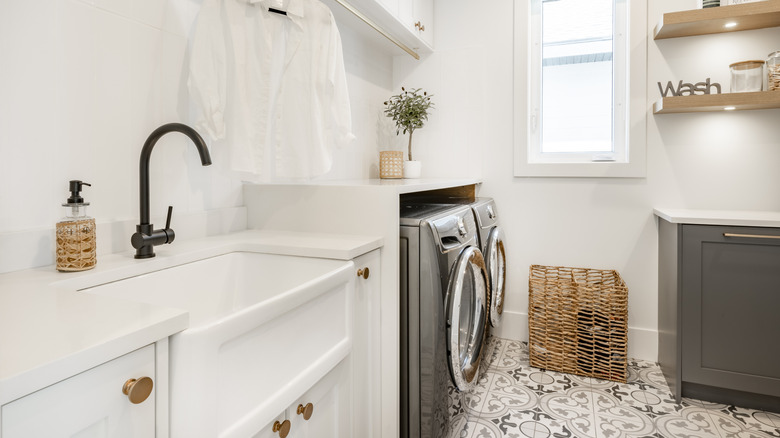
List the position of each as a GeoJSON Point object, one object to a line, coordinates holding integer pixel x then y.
{"type": "Point", "coordinates": [580, 170]}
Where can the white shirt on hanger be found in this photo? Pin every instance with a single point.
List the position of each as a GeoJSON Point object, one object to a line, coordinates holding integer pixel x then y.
{"type": "Point", "coordinates": [272, 86]}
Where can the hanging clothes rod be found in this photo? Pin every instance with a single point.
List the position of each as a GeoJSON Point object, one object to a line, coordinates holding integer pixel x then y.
{"type": "Point", "coordinates": [376, 27]}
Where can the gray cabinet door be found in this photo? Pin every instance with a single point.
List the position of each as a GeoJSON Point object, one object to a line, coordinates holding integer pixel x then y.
{"type": "Point", "coordinates": [731, 308]}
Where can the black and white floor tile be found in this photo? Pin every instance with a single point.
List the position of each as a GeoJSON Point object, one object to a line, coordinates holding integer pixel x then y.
{"type": "Point", "coordinates": [514, 400]}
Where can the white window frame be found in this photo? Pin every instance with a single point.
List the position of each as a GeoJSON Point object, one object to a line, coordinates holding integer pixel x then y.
{"type": "Point", "coordinates": [630, 110]}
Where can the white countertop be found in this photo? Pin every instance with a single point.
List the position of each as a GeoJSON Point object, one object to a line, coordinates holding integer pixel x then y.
{"type": "Point", "coordinates": [401, 185]}
{"type": "Point", "coordinates": [49, 331]}
{"type": "Point", "coordinates": [719, 217]}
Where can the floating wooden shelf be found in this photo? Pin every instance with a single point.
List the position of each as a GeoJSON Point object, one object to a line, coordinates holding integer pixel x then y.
{"type": "Point", "coordinates": [747, 16]}
{"type": "Point", "coordinates": [717, 102]}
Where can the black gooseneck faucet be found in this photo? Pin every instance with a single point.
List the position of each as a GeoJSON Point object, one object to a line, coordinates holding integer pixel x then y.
{"type": "Point", "coordinates": [146, 237]}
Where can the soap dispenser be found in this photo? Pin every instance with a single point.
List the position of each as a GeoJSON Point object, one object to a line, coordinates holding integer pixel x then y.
{"type": "Point", "coordinates": [76, 233]}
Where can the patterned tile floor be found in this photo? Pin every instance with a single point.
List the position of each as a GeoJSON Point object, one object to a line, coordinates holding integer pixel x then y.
{"type": "Point", "coordinates": [514, 400]}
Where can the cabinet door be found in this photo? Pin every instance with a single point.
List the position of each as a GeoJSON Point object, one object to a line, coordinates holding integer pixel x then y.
{"type": "Point", "coordinates": [268, 430]}
{"type": "Point", "coordinates": [87, 405]}
{"type": "Point", "coordinates": [730, 306]}
{"type": "Point", "coordinates": [330, 407]}
{"type": "Point", "coordinates": [423, 14]}
{"type": "Point", "coordinates": [417, 16]}
{"type": "Point", "coordinates": [391, 6]}
{"type": "Point", "coordinates": [366, 366]}
{"type": "Point", "coordinates": [406, 13]}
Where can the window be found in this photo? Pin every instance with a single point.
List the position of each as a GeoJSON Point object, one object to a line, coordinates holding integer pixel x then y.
{"type": "Point", "coordinates": [579, 65]}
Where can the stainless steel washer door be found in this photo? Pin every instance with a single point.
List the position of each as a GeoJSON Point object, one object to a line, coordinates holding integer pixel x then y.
{"type": "Point", "coordinates": [495, 261]}
{"type": "Point", "coordinates": [467, 295]}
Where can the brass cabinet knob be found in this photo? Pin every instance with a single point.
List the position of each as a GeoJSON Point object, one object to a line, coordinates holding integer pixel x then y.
{"type": "Point", "coordinates": [363, 272]}
{"type": "Point", "coordinates": [138, 390]}
{"type": "Point", "coordinates": [283, 428]}
{"type": "Point", "coordinates": [306, 410]}
{"type": "Point", "coordinates": [420, 26]}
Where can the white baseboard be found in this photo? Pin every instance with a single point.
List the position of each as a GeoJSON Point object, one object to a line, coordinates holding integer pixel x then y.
{"type": "Point", "coordinates": [642, 343]}
{"type": "Point", "coordinates": [514, 325]}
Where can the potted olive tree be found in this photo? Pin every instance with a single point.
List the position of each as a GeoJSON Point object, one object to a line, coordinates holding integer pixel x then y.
{"type": "Point", "coordinates": [409, 111]}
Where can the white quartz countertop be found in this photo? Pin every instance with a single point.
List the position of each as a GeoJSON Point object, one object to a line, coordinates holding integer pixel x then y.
{"type": "Point", "coordinates": [401, 185]}
{"type": "Point", "coordinates": [719, 217]}
{"type": "Point", "coordinates": [49, 331]}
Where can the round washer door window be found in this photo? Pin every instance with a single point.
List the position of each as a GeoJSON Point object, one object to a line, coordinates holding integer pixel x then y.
{"type": "Point", "coordinates": [495, 261]}
{"type": "Point", "coordinates": [467, 301]}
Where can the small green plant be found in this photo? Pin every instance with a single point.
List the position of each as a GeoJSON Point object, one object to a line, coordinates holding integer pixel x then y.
{"type": "Point", "coordinates": [409, 111]}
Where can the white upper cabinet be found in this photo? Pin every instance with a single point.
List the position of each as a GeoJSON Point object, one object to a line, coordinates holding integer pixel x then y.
{"type": "Point", "coordinates": [417, 16]}
{"type": "Point", "coordinates": [409, 22]}
{"type": "Point", "coordinates": [391, 6]}
{"type": "Point", "coordinates": [422, 19]}
{"type": "Point", "coordinates": [406, 13]}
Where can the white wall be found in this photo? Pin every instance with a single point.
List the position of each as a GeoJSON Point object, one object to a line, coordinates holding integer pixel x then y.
{"type": "Point", "coordinates": [83, 83]}
{"type": "Point", "coordinates": [708, 161]}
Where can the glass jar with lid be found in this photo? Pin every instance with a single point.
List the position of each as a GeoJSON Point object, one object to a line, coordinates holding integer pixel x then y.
{"type": "Point", "coordinates": [773, 71]}
{"type": "Point", "coordinates": [747, 76]}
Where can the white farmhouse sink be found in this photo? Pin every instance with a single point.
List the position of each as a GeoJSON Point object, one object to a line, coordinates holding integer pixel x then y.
{"type": "Point", "coordinates": [216, 287]}
{"type": "Point", "coordinates": [261, 326]}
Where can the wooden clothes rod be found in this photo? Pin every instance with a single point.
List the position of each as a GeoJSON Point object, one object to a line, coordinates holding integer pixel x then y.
{"type": "Point", "coordinates": [376, 27]}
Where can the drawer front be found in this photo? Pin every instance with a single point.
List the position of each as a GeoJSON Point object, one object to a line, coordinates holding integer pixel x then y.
{"type": "Point", "coordinates": [87, 405]}
{"type": "Point", "coordinates": [731, 304]}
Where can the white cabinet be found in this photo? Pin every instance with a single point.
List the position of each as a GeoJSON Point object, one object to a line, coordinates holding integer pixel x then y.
{"type": "Point", "coordinates": [273, 428]}
{"type": "Point", "coordinates": [410, 22]}
{"type": "Point", "coordinates": [423, 20]}
{"type": "Point", "coordinates": [417, 16]}
{"type": "Point", "coordinates": [327, 405]}
{"type": "Point", "coordinates": [391, 6]}
{"type": "Point", "coordinates": [347, 401]}
{"type": "Point", "coordinates": [366, 343]}
{"type": "Point", "coordinates": [88, 405]}
{"type": "Point", "coordinates": [330, 402]}
{"type": "Point", "coordinates": [406, 13]}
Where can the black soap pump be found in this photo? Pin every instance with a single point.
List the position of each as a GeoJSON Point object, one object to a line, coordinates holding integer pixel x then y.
{"type": "Point", "coordinates": [76, 233]}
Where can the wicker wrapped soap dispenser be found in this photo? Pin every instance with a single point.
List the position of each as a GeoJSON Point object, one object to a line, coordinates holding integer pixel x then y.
{"type": "Point", "coordinates": [75, 234]}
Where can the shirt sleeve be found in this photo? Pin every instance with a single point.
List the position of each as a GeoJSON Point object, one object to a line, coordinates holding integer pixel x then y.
{"type": "Point", "coordinates": [207, 81]}
{"type": "Point", "coordinates": [337, 78]}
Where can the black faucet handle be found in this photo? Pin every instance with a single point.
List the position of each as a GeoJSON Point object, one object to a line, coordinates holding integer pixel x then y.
{"type": "Point", "coordinates": [169, 234]}
{"type": "Point", "coordinates": [168, 219]}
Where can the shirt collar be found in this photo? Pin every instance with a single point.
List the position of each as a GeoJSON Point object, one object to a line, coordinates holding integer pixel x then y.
{"type": "Point", "coordinates": [294, 7]}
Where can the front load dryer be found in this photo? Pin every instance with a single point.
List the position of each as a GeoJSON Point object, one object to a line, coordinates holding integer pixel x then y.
{"type": "Point", "coordinates": [444, 303]}
{"type": "Point", "coordinates": [491, 238]}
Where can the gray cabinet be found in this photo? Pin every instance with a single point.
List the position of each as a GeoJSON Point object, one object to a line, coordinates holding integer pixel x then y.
{"type": "Point", "coordinates": [719, 313]}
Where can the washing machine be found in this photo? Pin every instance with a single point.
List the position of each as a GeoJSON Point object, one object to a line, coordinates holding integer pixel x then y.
{"type": "Point", "coordinates": [491, 242]}
{"type": "Point", "coordinates": [444, 289]}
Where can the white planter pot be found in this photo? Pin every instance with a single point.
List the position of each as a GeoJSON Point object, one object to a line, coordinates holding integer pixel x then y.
{"type": "Point", "coordinates": [412, 169]}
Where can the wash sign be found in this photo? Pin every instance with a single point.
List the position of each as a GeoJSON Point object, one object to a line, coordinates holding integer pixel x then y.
{"type": "Point", "coordinates": [688, 89]}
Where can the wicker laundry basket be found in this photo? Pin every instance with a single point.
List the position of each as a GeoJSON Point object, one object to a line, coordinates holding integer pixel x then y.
{"type": "Point", "coordinates": [578, 321]}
